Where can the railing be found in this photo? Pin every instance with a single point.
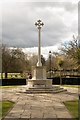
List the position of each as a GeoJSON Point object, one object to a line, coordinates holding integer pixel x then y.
{"type": "Point", "coordinates": [64, 73]}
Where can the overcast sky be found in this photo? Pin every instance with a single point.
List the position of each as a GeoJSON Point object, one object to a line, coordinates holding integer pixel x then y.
{"type": "Point", "coordinates": [18, 18]}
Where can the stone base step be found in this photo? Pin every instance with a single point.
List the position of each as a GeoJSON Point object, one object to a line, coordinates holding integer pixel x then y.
{"type": "Point", "coordinates": [35, 90]}
{"type": "Point", "coordinates": [44, 89]}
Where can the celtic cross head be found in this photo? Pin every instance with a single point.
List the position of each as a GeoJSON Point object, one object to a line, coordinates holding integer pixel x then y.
{"type": "Point", "coordinates": [39, 24]}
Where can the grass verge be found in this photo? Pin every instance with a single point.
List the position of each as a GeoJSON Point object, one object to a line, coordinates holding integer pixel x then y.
{"type": "Point", "coordinates": [5, 107]}
{"type": "Point", "coordinates": [10, 86]}
{"type": "Point", "coordinates": [72, 106]}
{"type": "Point", "coordinates": [71, 86]}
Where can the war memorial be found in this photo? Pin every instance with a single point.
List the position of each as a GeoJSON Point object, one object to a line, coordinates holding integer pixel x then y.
{"type": "Point", "coordinates": [39, 82]}
{"type": "Point", "coordinates": [39, 72]}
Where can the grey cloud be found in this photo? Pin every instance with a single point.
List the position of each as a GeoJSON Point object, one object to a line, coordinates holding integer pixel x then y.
{"type": "Point", "coordinates": [71, 6]}
{"type": "Point", "coordinates": [67, 5]}
{"type": "Point", "coordinates": [19, 29]}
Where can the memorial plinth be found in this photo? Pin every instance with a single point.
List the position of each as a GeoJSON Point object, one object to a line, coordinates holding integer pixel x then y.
{"type": "Point", "coordinates": [39, 78]}
{"type": "Point", "coordinates": [39, 72]}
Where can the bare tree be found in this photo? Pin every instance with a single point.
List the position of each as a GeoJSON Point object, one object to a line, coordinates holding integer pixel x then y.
{"type": "Point", "coordinates": [6, 58]}
{"type": "Point", "coordinates": [13, 60]}
{"type": "Point", "coordinates": [72, 50]}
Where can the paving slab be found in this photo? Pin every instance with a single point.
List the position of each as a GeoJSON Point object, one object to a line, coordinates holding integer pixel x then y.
{"type": "Point", "coordinates": [43, 106]}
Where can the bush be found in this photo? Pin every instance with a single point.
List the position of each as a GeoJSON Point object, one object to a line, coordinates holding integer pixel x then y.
{"type": "Point", "coordinates": [13, 81]}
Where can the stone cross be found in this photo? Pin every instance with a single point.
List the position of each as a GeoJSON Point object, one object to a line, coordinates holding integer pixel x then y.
{"type": "Point", "coordinates": [39, 24]}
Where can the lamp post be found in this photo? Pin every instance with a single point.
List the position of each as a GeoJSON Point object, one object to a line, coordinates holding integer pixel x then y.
{"type": "Point", "coordinates": [39, 25]}
{"type": "Point", "coordinates": [50, 62]}
{"type": "Point", "coordinates": [79, 107]}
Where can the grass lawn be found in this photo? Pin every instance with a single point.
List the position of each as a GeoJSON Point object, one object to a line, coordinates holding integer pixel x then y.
{"type": "Point", "coordinates": [71, 86]}
{"type": "Point", "coordinates": [5, 107]}
{"type": "Point", "coordinates": [16, 86]}
{"type": "Point", "coordinates": [72, 106]}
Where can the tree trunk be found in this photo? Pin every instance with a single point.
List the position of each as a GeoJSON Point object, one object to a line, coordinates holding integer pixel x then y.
{"type": "Point", "coordinates": [6, 75]}
{"type": "Point", "coordinates": [1, 75]}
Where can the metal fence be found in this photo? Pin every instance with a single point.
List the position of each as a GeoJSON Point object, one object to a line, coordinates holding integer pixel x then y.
{"type": "Point", "coordinates": [63, 73]}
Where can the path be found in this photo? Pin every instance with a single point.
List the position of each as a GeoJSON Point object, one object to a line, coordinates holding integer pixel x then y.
{"type": "Point", "coordinates": [38, 105]}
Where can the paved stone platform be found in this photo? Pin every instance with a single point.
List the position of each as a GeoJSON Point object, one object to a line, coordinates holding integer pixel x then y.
{"type": "Point", "coordinates": [43, 106]}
